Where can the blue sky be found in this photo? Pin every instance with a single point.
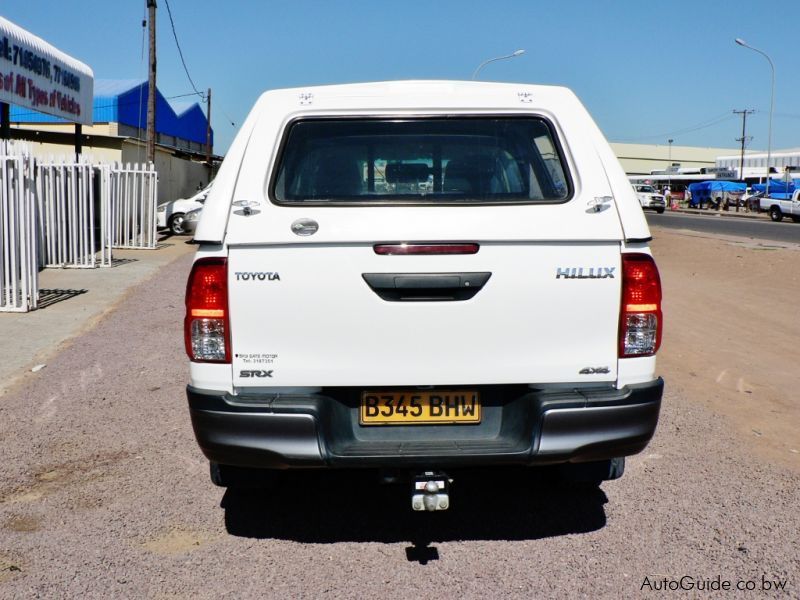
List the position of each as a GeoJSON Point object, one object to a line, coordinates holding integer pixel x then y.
{"type": "Point", "coordinates": [647, 70]}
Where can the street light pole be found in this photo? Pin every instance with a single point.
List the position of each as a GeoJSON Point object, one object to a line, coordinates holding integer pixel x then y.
{"type": "Point", "coordinates": [741, 42]}
{"type": "Point", "coordinates": [486, 62]}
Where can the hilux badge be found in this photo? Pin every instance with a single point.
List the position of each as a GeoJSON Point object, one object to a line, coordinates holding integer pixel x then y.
{"type": "Point", "coordinates": [585, 272]}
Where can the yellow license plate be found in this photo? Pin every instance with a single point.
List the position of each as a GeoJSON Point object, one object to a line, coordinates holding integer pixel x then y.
{"type": "Point", "coordinates": [420, 407]}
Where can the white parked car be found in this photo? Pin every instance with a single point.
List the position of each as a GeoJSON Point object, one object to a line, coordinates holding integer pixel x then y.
{"type": "Point", "coordinates": [650, 198]}
{"type": "Point", "coordinates": [170, 215]}
{"type": "Point", "coordinates": [505, 312]}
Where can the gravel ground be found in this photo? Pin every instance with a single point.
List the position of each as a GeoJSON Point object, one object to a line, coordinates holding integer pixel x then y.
{"type": "Point", "coordinates": [104, 493]}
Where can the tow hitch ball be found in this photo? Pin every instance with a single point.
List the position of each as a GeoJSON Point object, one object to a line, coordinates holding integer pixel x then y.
{"type": "Point", "coordinates": [431, 492]}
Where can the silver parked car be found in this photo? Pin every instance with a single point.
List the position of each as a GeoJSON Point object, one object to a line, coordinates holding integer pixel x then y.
{"type": "Point", "coordinates": [190, 220]}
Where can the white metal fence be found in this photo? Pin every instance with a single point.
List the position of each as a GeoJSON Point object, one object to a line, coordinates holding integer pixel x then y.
{"type": "Point", "coordinates": [19, 274]}
{"type": "Point", "coordinates": [74, 215]}
{"type": "Point", "coordinates": [134, 197]}
{"type": "Point", "coordinates": [59, 214]}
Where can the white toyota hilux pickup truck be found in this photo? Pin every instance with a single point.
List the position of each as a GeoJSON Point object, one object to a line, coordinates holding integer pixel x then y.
{"type": "Point", "coordinates": [421, 276]}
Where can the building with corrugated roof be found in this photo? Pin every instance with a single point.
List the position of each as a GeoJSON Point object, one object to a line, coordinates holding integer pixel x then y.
{"type": "Point", "coordinates": [118, 134]}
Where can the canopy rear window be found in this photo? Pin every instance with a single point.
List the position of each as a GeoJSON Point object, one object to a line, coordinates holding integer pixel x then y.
{"type": "Point", "coordinates": [420, 161]}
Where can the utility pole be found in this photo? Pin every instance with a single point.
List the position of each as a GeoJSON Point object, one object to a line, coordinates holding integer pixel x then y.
{"type": "Point", "coordinates": [742, 139]}
{"type": "Point", "coordinates": [151, 84]}
{"type": "Point", "coordinates": [208, 132]}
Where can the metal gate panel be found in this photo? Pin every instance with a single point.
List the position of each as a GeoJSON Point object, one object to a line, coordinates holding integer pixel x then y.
{"type": "Point", "coordinates": [19, 274]}
{"type": "Point", "coordinates": [74, 227]}
{"type": "Point", "coordinates": [103, 180]}
{"type": "Point", "coordinates": [134, 194]}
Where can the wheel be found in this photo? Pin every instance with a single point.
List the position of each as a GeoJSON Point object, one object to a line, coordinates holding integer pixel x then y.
{"type": "Point", "coordinates": [659, 210]}
{"type": "Point", "coordinates": [775, 213]}
{"type": "Point", "coordinates": [795, 218]}
{"type": "Point", "coordinates": [175, 224]}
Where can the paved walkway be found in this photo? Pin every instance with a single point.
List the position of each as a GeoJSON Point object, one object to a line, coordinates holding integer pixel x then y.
{"type": "Point", "coordinates": [723, 213]}
{"type": "Point", "coordinates": [71, 301]}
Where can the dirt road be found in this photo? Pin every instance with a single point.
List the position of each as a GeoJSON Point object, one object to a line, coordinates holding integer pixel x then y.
{"type": "Point", "coordinates": [103, 492]}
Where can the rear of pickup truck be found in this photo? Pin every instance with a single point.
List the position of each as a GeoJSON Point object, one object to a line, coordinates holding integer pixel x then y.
{"type": "Point", "coordinates": [423, 291]}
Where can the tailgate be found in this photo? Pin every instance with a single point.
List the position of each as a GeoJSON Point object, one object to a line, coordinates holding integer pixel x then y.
{"type": "Point", "coordinates": [305, 315]}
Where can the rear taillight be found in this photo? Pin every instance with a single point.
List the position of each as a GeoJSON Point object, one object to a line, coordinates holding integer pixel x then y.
{"type": "Point", "coordinates": [207, 326]}
{"type": "Point", "coordinates": [640, 320]}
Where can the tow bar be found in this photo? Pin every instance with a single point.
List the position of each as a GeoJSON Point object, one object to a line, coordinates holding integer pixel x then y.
{"type": "Point", "coordinates": [430, 492]}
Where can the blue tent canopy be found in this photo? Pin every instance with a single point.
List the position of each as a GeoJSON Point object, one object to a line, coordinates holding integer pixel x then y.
{"type": "Point", "coordinates": [705, 191]}
{"type": "Point", "coordinates": [717, 186]}
{"type": "Point", "coordinates": [778, 188]}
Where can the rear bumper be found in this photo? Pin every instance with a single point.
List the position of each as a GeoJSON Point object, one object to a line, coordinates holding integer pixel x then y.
{"type": "Point", "coordinates": [521, 426]}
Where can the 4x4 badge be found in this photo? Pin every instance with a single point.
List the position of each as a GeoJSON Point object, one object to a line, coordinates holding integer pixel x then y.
{"type": "Point", "coordinates": [594, 371]}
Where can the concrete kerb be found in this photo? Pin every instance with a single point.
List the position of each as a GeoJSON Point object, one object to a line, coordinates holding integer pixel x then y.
{"type": "Point", "coordinates": [73, 301]}
{"type": "Point", "coordinates": [721, 213]}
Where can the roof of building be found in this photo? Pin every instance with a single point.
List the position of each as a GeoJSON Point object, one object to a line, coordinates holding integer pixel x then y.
{"type": "Point", "coordinates": [125, 101]}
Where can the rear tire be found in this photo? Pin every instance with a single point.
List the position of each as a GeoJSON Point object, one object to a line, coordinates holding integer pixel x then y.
{"type": "Point", "coordinates": [659, 210]}
{"type": "Point", "coordinates": [795, 218]}
{"type": "Point", "coordinates": [775, 214]}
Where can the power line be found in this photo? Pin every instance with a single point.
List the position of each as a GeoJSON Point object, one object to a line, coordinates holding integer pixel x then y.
{"type": "Point", "coordinates": [181, 96]}
{"type": "Point", "coordinates": [180, 52]}
{"type": "Point", "coordinates": [227, 116]}
{"type": "Point", "coordinates": [702, 125]}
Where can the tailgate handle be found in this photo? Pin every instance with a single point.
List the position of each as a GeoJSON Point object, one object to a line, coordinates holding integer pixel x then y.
{"type": "Point", "coordinates": [417, 287]}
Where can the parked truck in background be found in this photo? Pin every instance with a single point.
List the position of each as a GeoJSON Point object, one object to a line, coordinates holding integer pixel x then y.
{"type": "Point", "coordinates": [778, 208]}
{"type": "Point", "coordinates": [650, 198]}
